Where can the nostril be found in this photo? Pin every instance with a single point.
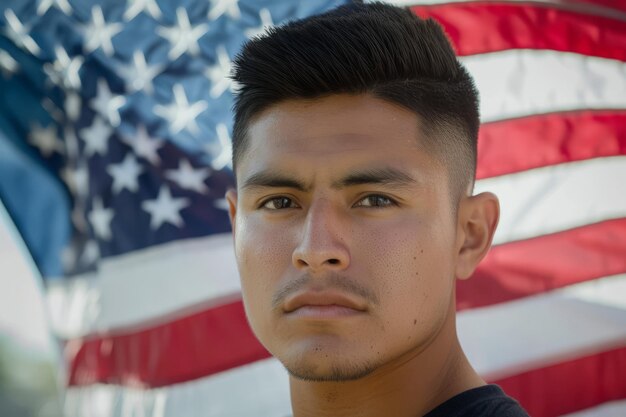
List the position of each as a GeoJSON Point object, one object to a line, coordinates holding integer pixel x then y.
{"type": "Point", "coordinates": [319, 261]}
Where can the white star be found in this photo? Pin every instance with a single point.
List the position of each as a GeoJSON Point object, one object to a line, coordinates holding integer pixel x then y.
{"type": "Point", "coordinates": [107, 104]}
{"type": "Point", "coordinates": [8, 65]}
{"type": "Point", "coordinates": [224, 155]}
{"type": "Point", "coordinates": [180, 114]}
{"type": "Point", "coordinates": [45, 139]}
{"type": "Point", "coordinates": [137, 6]}
{"type": "Point", "coordinates": [98, 33]}
{"type": "Point", "coordinates": [100, 219]}
{"type": "Point", "coordinates": [187, 177]}
{"type": "Point", "coordinates": [76, 179]}
{"type": "Point", "coordinates": [81, 180]}
{"type": "Point", "coordinates": [125, 174]}
{"type": "Point", "coordinates": [183, 37]}
{"type": "Point", "coordinates": [64, 70]}
{"type": "Point", "coordinates": [139, 75]}
{"type": "Point", "coordinates": [266, 22]}
{"type": "Point", "coordinates": [96, 137]}
{"type": "Point", "coordinates": [144, 145]}
{"type": "Point", "coordinates": [221, 204]}
{"type": "Point", "coordinates": [44, 5]}
{"type": "Point", "coordinates": [73, 105]}
{"type": "Point", "coordinates": [91, 253]}
{"type": "Point", "coordinates": [18, 33]}
{"type": "Point", "coordinates": [219, 7]}
{"type": "Point", "coordinates": [219, 73]}
{"type": "Point", "coordinates": [71, 143]}
{"type": "Point", "coordinates": [165, 208]}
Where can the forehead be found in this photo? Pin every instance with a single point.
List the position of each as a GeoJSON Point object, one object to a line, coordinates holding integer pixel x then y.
{"type": "Point", "coordinates": [337, 132]}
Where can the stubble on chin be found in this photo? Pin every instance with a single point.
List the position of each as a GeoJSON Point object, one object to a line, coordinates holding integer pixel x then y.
{"type": "Point", "coordinates": [324, 368]}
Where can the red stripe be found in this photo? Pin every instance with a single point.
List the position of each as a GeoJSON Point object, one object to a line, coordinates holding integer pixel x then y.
{"type": "Point", "coordinates": [520, 269]}
{"type": "Point", "coordinates": [476, 28]}
{"type": "Point", "coordinates": [195, 346]}
{"type": "Point", "coordinates": [219, 338]}
{"type": "Point", "coordinates": [570, 386]}
{"type": "Point", "coordinates": [517, 145]}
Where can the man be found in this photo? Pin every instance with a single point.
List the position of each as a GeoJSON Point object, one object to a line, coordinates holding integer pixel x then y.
{"type": "Point", "coordinates": [354, 148]}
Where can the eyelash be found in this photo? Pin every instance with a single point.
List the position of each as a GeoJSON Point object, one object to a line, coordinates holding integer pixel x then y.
{"type": "Point", "coordinates": [390, 202]}
{"type": "Point", "coordinates": [274, 199]}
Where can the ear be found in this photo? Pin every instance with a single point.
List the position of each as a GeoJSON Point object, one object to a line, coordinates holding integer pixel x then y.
{"type": "Point", "coordinates": [231, 198]}
{"type": "Point", "coordinates": [477, 220]}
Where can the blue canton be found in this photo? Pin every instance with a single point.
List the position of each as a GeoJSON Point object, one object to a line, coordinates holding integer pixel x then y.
{"type": "Point", "coordinates": [115, 120]}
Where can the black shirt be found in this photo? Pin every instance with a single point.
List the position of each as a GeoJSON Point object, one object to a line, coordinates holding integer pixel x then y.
{"type": "Point", "coordinates": [485, 401]}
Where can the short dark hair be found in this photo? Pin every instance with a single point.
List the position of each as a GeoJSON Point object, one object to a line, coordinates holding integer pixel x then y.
{"type": "Point", "coordinates": [377, 49]}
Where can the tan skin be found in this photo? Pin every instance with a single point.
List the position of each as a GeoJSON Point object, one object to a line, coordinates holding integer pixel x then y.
{"type": "Point", "coordinates": [348, 247]}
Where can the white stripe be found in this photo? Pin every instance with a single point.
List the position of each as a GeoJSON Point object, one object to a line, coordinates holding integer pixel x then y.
{"type": "Point", "coordinates": [516, 83]}
{"type": "Point", "coordinates": [558, 197]}
{"type": "Point", "coordinates": [145, 285]}
{"type": "Point", "coordinates": [600, 9]}
{"type": "Point", "coordinates": [518, 336]}
{"type": "Point", "coordinates": [612, 409]}
{"type": "Point", "coordinates": [260, 389]}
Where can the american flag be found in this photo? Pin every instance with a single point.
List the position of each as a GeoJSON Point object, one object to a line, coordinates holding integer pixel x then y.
{"type": "Point", "coordinates": [115, 151]}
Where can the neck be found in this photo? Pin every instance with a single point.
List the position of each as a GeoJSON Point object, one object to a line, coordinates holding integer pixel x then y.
{"type": "Point", "coordinates": [408, 386]}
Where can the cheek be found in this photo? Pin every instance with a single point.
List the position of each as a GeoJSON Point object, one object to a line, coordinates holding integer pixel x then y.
{"type": "Point", "coordinates": [411, 265]}
{"type": "Point", "coordinates": [259, 248]}
{"type": "Point", "coordinates": [263, 255]}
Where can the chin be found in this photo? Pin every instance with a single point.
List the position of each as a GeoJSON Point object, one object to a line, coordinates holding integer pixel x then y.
{"type": "Point", "coordinates": [322, 367]}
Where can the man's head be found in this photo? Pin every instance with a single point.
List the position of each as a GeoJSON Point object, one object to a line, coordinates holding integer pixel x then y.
{"type": "Point", "coordinates": [354, 149]}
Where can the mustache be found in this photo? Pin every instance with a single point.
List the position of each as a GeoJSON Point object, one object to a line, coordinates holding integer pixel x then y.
{"type": "Point", "coordinates": [332, 281]}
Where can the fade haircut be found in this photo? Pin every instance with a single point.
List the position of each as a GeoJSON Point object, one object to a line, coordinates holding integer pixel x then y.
{"type": "Point", "coordinates": [376, 49]}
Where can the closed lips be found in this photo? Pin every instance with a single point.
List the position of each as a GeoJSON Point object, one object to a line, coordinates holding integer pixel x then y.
{"type": "Point", "coordinates": [322, 298]}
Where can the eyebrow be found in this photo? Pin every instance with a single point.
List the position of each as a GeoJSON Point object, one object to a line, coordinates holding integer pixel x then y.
{"type": "Point", "coordinates": [268, 179]}
{"type": "Point", "coordinates": [384, 176]}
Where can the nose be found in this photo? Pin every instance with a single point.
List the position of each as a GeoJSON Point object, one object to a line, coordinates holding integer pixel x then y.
{"type": "Point", "coordinates": [323, 245]}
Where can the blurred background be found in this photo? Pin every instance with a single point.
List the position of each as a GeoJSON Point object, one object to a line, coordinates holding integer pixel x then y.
{"type": "Point", "coordinates": [30, 362]}
{"type": "Point", "coordinates": [119, 293]}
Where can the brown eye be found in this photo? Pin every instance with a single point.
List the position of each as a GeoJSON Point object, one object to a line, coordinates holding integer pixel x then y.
{"type": "Point", "coordinates": [278, 203]}
{"type": "Point", "coordinates": [375, 200]}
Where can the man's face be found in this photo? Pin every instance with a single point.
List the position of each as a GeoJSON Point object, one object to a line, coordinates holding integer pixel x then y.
{"type": "Point", "coordinates": [345, 236]}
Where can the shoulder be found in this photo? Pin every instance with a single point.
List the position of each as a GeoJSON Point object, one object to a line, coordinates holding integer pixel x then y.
{"type": "Point", "coordinates": [485, 401]}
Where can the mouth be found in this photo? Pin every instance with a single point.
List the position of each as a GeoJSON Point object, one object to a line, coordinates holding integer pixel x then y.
{"type": "Point", "coordinates": [323, 305]}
